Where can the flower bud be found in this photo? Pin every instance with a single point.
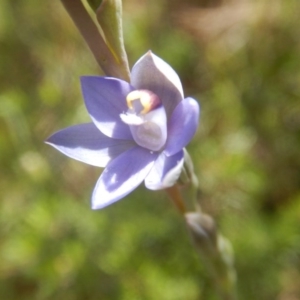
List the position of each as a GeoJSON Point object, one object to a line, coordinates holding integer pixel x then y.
{"type": "Point", "coordinates": [203, 230]}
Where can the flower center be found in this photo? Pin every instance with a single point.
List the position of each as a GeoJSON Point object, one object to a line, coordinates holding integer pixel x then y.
{"type": "Point", "coordinates": [147, 119]}
{"type": "Point", "coordinates": [142, 101]}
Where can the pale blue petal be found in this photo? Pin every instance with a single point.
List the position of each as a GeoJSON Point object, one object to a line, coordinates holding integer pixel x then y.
{"type": "Point", "coordinates": [182, 126]}
{"type": "Point", "coordinates": [84, 142]}
{"type": "Point", "coordinates": [154, 135]}
{"type": "Point", "coordinates": [152, 73]}
{"type": "Point", "coordinates": [165, 171]}
{"type": "Point", "coordinates": [122, 175]}
{"type": "Point", "coordinates": [105, 100]}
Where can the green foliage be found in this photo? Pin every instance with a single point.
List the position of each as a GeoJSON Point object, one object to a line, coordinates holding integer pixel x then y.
{"type": "Point", "coordinates": [109, 17]}
{"type": "Point", "coordinates": [246, 154]}
{"type": "Point", "coordinates": [94, 4]}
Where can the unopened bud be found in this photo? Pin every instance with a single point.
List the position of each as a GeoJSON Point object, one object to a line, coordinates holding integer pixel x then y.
{"type": "Point", "coordinates": [203, 230]}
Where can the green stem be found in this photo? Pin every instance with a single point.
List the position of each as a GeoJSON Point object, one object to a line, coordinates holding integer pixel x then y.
{"type": "Point", "coordinates": [214, 250]}
{"type": "Point", "coordinates": [215, 253]}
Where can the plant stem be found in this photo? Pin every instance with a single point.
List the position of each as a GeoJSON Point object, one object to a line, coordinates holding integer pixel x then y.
{"type": "Point", "coordinates": [176, 197]}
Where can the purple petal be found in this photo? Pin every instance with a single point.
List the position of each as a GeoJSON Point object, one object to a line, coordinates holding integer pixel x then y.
{"type": "Point", "coordinates": [152, 73]}
{"type": "Point", "coordinates": [122, 175]}
{"type": "Point", "coordinates": [165, 171]}
{"type": "Point", "coordinates": [86, 143]}
{"type": "Point", "coordinates": [105, 100]}
{"type": "Point", "coordinates": [182, 126]}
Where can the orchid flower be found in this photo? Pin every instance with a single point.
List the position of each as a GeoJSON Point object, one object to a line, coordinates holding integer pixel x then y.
{"type": "Point", "coordinates": [138, 130]}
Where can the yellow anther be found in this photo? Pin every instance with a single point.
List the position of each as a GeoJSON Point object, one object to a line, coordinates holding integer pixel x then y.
{"type": "Point", "coordinates": [146, 99]}
{"type": "Point", "coordinates": [132, 96]}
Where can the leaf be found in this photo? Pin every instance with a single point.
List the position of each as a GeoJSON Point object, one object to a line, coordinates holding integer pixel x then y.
{"type": "Point", "coordinates": [109, 16]}
{"type": "Point", "coordinates": [95, 40]}
{"type": "Point", "coordinates": [94, 4]}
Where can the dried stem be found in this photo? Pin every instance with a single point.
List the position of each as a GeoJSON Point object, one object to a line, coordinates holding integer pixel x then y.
{"type": "Point", "coordinates": [175, 195]}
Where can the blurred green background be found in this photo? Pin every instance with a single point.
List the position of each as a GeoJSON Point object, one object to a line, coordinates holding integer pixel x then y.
{"type": "Point", "coordinates": [241, 60]}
